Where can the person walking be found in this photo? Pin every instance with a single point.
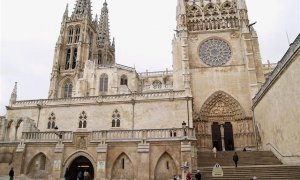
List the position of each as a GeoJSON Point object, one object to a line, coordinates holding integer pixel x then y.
{"type": "Point", "coordinates": [67, 174]}
{"type": "Point", "coordinates": [235, 158]}
{"type": "Point", "coordinates": [188, 176]}
{"type": "Point", "coordinates": [198, 175]}
{"type": "Point", "coordinates": [214, 150]}
{"type": "Point", "coordinates": [11, 174]}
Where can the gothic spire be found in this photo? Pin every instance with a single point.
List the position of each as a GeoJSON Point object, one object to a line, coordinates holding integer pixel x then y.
{"type": "Point", "coordinates": [13, 96]}
{"type": "Point", "coordinates": [82, 9]}
{"type": "Point", "coordinates": [103, 36]}
{"type": "Point", "coordinates": [241, 4]}
{"type": "Point", "coordinates": [66, 13]}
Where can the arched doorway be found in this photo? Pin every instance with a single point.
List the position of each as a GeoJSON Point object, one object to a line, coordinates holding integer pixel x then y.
{"type": "Point", "coordinates": [222, 112]}
{"type": "Point", "coordinates": [228, 136]}
{"type": "Point", "coordinates": [81, 164]}
{"type": "Point", "coordinates": [216, 136]}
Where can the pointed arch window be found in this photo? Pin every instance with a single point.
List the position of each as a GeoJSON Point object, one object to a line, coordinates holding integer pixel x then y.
{"type": "Point", "coordinates": [77, 35]}
{"type": "Point", "coordinates": [124, 80]}
{"type": "Point", "coordinates": [51, 121]}
{"type": "Point", "coordinates": [116, 119]}
{"type": "Point", "coordinates": [68, 58]}
{"type": "Point", "coordinates": [103, 83]}
{"type": "Point", "coordinates": [68, 90]}
{"type": "Point", "coordinates": [83, 120]}
{"type": "Point", "coordinates": [99, 58]}
{"type": "Point", "coordinates": [70, 36]}
{"type": "Point", "coordinates": [74, 58]}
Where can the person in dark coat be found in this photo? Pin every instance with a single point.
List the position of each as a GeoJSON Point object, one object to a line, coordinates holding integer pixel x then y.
{"type": "Point", "coordinates": [198, 175]}
{"type": "Point", "coordinates": [11, 174]}
{"type": "Point", "coordinates": [235, 158]}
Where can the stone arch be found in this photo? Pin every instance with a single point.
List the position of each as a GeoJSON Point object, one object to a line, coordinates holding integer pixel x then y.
{"type": "Point", "coordinates": [39, 166]}
{"type": "Point", "coordinates": [19, 128]}
{"type": "Point", "coordinates": [76, 154]}
{"type": "Point", "coordinates": [122, 168]}
{"type": "Point", "coordinates": [62, 83]}
{"type": "Point", "coordinates": [165, 167]}
{"type": "Point", "coordinates": [221, 106]}
{"type": "Point", "coordinates": [10, 130]}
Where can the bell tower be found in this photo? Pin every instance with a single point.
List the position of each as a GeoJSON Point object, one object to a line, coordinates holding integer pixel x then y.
{"type": "Point", "coordinates": [74, 47]}
{"type": "Point", "coordinates": [216, 54]}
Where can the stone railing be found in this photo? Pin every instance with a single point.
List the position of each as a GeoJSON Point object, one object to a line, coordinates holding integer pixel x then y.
{"type": "Point", "coordinates": [102, 99]}
{"type": "Point", "coordinates": [66, 136]}
{"type": "Point", "coordinates": [138, 135]}
{"type": "Point", "coordinates": [156, 73]}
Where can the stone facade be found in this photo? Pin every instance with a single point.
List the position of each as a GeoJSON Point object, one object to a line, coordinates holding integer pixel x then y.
{"type": "Point", "coordinates": [116, 123]}
{"type": "Point", "coordinates": [277, 119]}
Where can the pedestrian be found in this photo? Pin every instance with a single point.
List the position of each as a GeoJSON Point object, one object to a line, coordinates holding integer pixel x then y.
{"type": "Point", "coordinates": [235, 158]}
{"type": "Point", "coordinates": [244, 149]}
{"type": "Point", "coordinates": [188, 176]}
{"type": "Point", "coordinates": [214, 150]}
{"type": "Point", "coordinates": [198, 175]}
{"type": "Point", "coordinates": [253, 178]}
{"type": "Point", "coordinates": [11, 174]}
{"type": "Point", "coordinates": [79, 175]}
{"type": "Point", "coordinates": [86, 174]}
{"type": "Point", "coordinates": [67, 174]}
{"type": "Point", "coordinates": [175, 177]}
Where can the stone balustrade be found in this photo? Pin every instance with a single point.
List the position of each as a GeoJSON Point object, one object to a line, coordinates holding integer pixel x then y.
{"type": "Point", "coordinates": [138, 135]}
{"type": "Point", "coordinates": [66, 136]}
{"type": "Point", "coordinates": [155, 73]}
{"type": "Point", "coordinates": [101, 99]}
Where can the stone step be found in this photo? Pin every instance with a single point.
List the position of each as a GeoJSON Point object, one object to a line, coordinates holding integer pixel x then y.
{"type": "Point", "coordinates": [261, 172]}
{"type": "Point", "coordinates": [224, 158]}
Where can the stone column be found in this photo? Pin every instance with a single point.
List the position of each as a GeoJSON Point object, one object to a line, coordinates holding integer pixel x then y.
{"type": "Point", "coordinates": [222, 136]}
{"type": "Point", "coordinates": [101, 161]}
{"type": "Point", "coordinates": [57, 171]}
{"type": "Point", "coordinates": [19, 158]}
{"type": "Point", "coordinates": [186, 158]}
{"type": "Point", "coordinates": [144, 160]}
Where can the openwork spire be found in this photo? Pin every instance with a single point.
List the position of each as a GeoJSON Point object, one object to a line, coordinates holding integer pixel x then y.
{"type": "Point", "coordinates": [82, 9]}
{"type": "Point", "coordinates": [13, 97]}
{"type": "Point", "coordinates": [103, 36]}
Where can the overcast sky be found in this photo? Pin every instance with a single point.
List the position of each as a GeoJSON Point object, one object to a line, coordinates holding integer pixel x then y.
{"type": "Point", "coordinates": [143, 30]}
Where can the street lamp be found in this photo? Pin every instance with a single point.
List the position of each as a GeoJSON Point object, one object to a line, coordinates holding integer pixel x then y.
{"type": "Point", "coordinates": [59, 134]}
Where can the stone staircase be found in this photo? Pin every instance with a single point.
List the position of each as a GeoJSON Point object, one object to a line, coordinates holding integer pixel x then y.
{"type": "Point", "coordinates": [262, 164]}
{"type": "Point", "coordinates": [269, 172]}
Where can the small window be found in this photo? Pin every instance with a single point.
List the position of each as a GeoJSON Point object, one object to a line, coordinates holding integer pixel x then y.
{"type": "Point", "coordinates": [68, 58]}
{"type": "Point", "coordinates": [70, 36]}
{"type": "Point", "coordinates": [82, 120]}
{"type": "Point", "coordinates": [116, 119]}
{"type": "Point", "coordinates": [103, 83]}
{"type": "Point", "coordinates": [124, 80]}
{"type": "Point", "coordinates": [123, 163]}
{"type": "Point", "coordinates": [156, 84]}
{"type": "Point", "coordinates": [51, 121]}
{"type": "Point", "coordinates": [77, 35]}
{"type": "Point", "coordinates": [68, 90]}
{"type": "Point", "coordinates": [74, 58]}
{"type": "Point", "coordinates": [168, 165]}
{"type": "Point", "coordinates": [99, 58]}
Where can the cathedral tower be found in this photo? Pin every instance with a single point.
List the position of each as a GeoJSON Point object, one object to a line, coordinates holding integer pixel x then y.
{"type": "Point", "coordinates": [74, 47]}
{"type": "Point", "coordinates": [216, 56]}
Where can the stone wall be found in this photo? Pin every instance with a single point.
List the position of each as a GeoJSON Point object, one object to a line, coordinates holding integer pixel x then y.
{"type": "Point", "coordinates": [276, 109]}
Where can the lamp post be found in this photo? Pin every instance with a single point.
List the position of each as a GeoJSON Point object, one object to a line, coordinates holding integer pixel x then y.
{"type": "Point", "coordinates": [184, 168]}
{"type": "Point", "coordinates": [59, 134]}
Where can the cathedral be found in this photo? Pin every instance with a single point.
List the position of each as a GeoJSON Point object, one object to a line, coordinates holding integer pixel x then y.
{"type": "Point", "coordinates": [116, 123]}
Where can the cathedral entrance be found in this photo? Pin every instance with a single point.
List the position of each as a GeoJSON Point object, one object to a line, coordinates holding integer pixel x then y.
{"type": "Point", "coordinates": [79, 166]}
{"type": "Point", "coordinates": [228, 137]}
{"type": "Point", "coordinates": [216, 136]}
